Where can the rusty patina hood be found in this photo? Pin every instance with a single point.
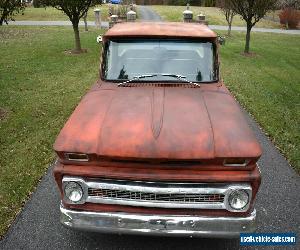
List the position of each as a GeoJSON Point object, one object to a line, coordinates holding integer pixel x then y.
{"type": "Point", "coordinates": [149, 122]}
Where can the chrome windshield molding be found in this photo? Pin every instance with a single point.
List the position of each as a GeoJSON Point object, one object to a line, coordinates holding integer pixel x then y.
{"type": "Point", "coordinates": [208, 196]}
{"type": "Point", "coordinates": [166, 225]}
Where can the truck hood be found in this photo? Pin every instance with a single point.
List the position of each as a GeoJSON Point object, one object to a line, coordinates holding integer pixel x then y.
{"type": "Point", "coordinates": [158, 123]}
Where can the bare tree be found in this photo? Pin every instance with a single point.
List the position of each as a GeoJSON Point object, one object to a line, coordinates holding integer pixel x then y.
{"type": "Point", "coordinates": [252, 11]}
{"type": "Point", "coordinates": [75, 10]}
{"type": "Point", "coordinates": [226, 8]}
{"type": "Point", "coordinates": [9, 8]}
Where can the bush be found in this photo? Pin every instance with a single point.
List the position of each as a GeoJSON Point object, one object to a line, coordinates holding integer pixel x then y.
{"type": "Point", "coordinates": [121, 9]}
{"type": "Point", "coordinates": [295, 4]}
{"type": "Point", "coordinates": [170, 2]}
{"type": "Point", "coordinates": [37, 3]}
{"type": "Point", "coordinates": [209, 3]}
{"type": "Point", "coordinates": [290, 17]}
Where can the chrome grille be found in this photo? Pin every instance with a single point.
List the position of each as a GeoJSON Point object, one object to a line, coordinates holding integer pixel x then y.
{"type": "Point", "coordinates": [157, 194]}
{"type": "Point", "coordinates": [160, 197]}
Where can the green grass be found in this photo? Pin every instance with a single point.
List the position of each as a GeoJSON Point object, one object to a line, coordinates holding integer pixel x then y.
{"type": "Point", "coordinates": [213, 15]}
{"type": "Point", "coordinates": [52, 14]}
{"type": "Point", "coordinates": [40, 86]}
{"type": "Point", "coordinates": [268, 85]}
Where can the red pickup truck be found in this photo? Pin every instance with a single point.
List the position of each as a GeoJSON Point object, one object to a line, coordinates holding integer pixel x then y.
{"type": "Point", "coordinates": [158, 145]}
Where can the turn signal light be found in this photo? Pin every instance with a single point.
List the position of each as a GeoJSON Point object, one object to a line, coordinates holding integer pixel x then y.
{"type": "Point", "coordinates": [76, 157]}
{"type": "Point", "coordinates": [236, 162]}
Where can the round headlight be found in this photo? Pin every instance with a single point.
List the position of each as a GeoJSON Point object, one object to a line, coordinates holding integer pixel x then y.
{"type": "Point", "coordinates": [238, 199]}
{"type": "Point", "coordinates": [73, 191]}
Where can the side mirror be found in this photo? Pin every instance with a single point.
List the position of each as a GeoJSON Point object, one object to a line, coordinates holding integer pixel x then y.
{"type": "Point", "coordinates": [221, 40]}
{"type": "Point", "coordinates": [99, 39]}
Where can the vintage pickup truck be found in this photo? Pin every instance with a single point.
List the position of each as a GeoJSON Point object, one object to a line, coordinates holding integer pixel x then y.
{"type": "Point", "coordinates": [158, 145]}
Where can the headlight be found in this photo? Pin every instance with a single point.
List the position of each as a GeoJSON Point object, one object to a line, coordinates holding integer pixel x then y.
{"type": "Point", "coordinates": [73, 191]}
{"type": "Point", "coordinates": [238, 199]}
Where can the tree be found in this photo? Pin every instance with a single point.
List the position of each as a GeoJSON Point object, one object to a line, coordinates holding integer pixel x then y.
{"type": "Point", "coordinates": [226, 8]}
{"type": "Point", "coordinates": [9, 8]}
{"type": "Point", "coordinates": [252, 11]}
{"type": "Point", "coordinates": [75, 10]}
{"type": "Point", "coordinates": [295, 4]}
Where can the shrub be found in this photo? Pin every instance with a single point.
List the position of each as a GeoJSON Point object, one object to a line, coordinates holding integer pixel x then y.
{"type": "Point", "coordinates": [290, 17]}
{"type": "Point", "coordinates": [121, 9]}
{"type": "Point", "coordinates": [282, 4]}
{"type": "Point", "coordinates": [37, 3]}
{"type": "Point", "coordinates": [209, 3]}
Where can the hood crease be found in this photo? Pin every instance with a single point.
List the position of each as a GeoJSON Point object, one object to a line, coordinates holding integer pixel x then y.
{"type": "Point", "coordinates": [157, 110]}
{"type": "Point", "coordinates": [210, 122]}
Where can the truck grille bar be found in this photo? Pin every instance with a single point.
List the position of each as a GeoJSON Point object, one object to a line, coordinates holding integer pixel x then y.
{"type": "Point", "coordinates": [154, 197]}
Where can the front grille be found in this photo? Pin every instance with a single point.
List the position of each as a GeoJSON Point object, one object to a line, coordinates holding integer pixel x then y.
{"type": "Point", "coordinates": [156, 197]}
{"type": "Point", "coordinates": [167, 195]}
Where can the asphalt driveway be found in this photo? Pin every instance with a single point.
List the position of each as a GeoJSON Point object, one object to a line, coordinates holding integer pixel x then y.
{"type": "Point", "coordinates": [278, 207]}
{"type": "Point", "coordinates": [147, 14]}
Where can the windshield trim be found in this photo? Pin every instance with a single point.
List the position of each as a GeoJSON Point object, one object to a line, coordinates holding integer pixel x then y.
{"type": "Point", "coordinates": [116, 39]}
{"type": "Point", "coordinates": [157, 81]}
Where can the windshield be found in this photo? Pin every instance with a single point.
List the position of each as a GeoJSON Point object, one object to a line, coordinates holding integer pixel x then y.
{"type": "Point", "coordinates": [126, 59]}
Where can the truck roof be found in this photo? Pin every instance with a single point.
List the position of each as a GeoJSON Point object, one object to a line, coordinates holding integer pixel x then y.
{"type": "Point", "coordinates": [160, 29]}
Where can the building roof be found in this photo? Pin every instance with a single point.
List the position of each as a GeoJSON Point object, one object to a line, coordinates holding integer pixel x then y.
{"type": "Point", "coordinates": [160, 29]}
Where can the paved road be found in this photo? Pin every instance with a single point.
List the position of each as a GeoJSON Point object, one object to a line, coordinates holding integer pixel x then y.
{"type": "Point", "coordinates": [278, 203]}
{"type": "Point", "coordinates": [53, 23]}
{"type": "Point", "coordinates": [264, 30]}
{"type": "Point", "coordinates": [148, 15]}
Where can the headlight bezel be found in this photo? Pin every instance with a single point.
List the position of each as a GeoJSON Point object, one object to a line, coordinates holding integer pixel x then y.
{"type": "Point", "coordinates": [248, 192]}
{"type": "Point", "coordinates": [73, 188]}
{"type": "Point", "coordinates": [80, 182]}
{"type": "Point", "coordinates": [243, 194]}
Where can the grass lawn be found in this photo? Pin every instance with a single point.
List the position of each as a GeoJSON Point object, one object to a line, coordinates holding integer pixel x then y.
{"type": "Point", "coordinates": [268, 85]}
{"type": "Point", "coordinates": [40, 86]}
{"type": "Point", "coordinates": [213, 15]}
{"type": "Point", "coordinates": [52, 14]}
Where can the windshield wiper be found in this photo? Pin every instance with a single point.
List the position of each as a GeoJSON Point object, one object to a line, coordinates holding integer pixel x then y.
{"type": "Point", "coordinates": [136, 78]}
{"type": "Point", "coordinates": [182, 78]}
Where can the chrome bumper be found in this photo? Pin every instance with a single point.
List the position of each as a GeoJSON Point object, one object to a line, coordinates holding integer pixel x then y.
{"type": "Point", "coordinates": [168, 225]}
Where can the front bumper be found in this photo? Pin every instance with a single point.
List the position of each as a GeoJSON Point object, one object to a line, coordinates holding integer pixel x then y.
{"type": "Point", "coordinates": [168, 225]}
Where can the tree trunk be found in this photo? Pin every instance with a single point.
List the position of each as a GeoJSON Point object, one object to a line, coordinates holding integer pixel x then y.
{"type": "Point", "coordinates": [2, 18]}
{"type": "Point", "coordinates": [230, 24]}
{"type": "Point", "coordinates": [77, 37]}
{"type": "Point", "coordinates": [229, 29]}
{"type": "Point", "coordinates": [85, 22]}
{"type": "Point", "coordinates": [248, 36]}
